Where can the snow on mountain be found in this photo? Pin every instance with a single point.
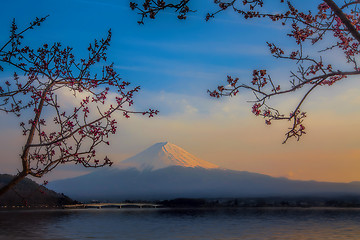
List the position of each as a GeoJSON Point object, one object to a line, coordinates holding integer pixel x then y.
{"type": "Point", "coordinates": [162, 155]}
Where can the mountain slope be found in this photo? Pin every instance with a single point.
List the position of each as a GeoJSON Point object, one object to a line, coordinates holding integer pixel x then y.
{"type": "Point", "coordinates": [165, 154]}
{"type": "Point", "coordinates": [176, 181]}
{"type": "Point", "coordinates": [29, 193]}
{"type": "Point", "coordinates": [166, 171]}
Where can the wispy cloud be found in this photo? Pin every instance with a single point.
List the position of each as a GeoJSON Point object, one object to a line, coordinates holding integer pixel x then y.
{"type": "Point", "coordinates": [207, 48]}
{"type": "Point", "coordinates": [109, 3]}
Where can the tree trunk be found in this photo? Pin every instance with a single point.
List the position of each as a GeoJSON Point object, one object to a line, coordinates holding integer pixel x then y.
{"type": "Point", "coordinates": [13, 182]}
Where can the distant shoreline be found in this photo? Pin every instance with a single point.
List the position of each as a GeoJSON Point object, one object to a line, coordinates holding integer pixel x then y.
{"type": "Point", "coordinates": [301, 202]}
{"type": "Point", "coordinates": [179, 209]}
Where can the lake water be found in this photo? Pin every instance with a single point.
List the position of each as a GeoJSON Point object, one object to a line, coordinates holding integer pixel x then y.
{"type": "Point", "coordinates": [182, 224]}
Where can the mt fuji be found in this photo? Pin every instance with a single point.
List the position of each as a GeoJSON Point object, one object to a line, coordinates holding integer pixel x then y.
{"type": "Point", "coordinates": [165, 154]}
{"type": "Point", "coordinates": [165, 171]}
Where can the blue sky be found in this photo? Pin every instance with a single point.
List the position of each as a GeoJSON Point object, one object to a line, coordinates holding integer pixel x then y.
{"type": "Point", "coordinates": [165, 54]}
{"type": "Point", "coordinates": [175, 62]}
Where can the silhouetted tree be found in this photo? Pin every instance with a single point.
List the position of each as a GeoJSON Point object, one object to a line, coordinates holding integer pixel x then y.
{"type": "Point", "coordinates": [56, 132]}
{"type": "Point", "coordinates": [338, 20]}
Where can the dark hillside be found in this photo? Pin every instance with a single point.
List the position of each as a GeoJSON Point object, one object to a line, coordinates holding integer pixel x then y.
{"type": "Point", "coordinates": [29, 193]}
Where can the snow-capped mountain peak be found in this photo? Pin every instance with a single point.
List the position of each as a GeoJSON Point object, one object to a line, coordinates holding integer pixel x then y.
{"type": "Point", "coordinates": [165, 154]}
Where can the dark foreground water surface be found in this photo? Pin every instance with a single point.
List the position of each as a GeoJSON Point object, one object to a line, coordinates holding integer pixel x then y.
{"type": "Point", "coordinates": [189, 224]}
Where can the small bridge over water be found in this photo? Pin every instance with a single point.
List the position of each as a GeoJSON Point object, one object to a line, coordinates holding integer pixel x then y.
{"type": "Point", "coordinates": [113, 205]}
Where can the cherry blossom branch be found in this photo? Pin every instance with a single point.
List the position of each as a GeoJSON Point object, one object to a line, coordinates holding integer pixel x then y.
{"type": "Point", "coordinates": [344, 19]}
{"type": "Point", "coordinates": [59, 133]}
{"type": "Point", "coordinates": [331, 20]}
{"type": "Point", "coordinates": [150, 8]}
